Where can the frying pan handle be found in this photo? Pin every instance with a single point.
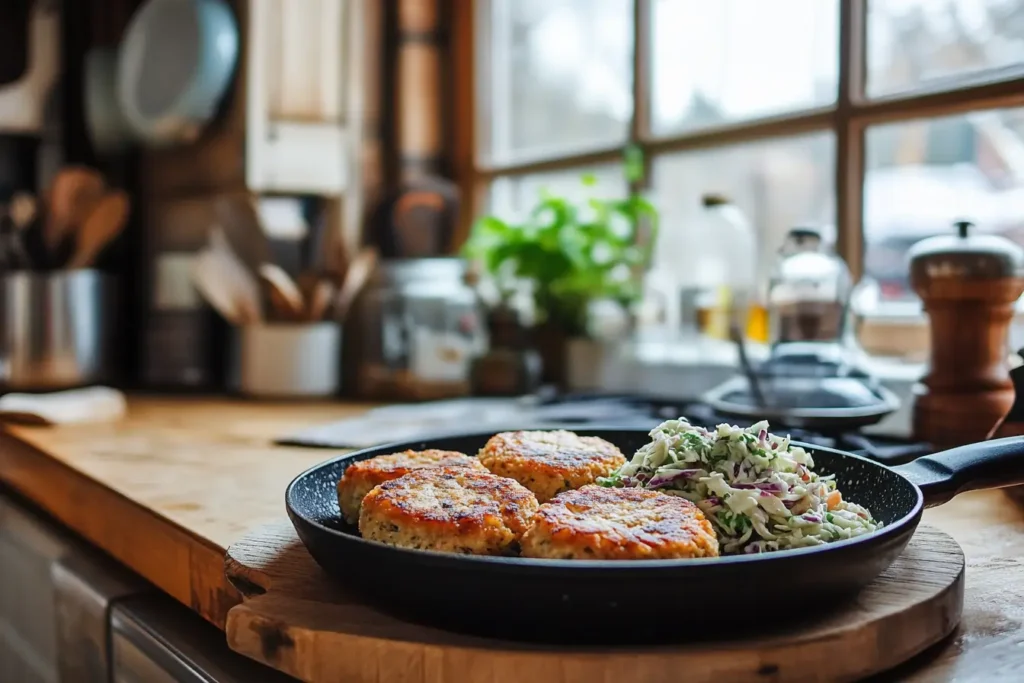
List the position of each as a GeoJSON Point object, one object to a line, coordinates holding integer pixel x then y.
{"type": "Point", "coordinates": [986, 465]}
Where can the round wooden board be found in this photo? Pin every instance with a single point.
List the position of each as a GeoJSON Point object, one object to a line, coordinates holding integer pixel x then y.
{"type": "Point", "coordinates": [295, 619]}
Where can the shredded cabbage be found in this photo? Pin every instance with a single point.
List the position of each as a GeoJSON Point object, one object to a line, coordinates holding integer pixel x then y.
{"type": "Point", "coordinates": [759, 491]}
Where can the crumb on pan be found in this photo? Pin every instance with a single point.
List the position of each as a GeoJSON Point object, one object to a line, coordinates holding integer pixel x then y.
{"type": "Point", "coordinates": [598, 523]}
{"type": "Point", "coordinates": [360, 477]}
{"type": "Point", "coordinates": [449, 509]}
{"type": "Point", "coordinates": [550, 462]}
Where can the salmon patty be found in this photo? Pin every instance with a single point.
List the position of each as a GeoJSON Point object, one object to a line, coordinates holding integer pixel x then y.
{"type": "Point", "coordinates": [548, 463]}
{"type": "Point", "coordinates": [449, 509]}
{"type": "Point", "coordinates": [598, 523]}
{"type": "Point", "coordinates": [360, 477]}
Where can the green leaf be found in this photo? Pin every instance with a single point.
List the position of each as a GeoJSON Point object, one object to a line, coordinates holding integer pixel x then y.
{"type": "Point", "coordinates": [570, 253]}
{"type": "Point", "coordinates": [633, 164]}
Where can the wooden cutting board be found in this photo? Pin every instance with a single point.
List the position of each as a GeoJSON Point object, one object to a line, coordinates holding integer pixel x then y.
{"type": "Point", "coordinates": [297, 620]}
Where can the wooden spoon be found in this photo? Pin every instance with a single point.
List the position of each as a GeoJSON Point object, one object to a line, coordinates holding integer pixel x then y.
{"type": "Point", "coordinates": [236, 274]}
{"type": "Point", "coordinates": [285, 295]}
{"type": "Point", "coordinates": [104, 223]}
{"type": "Point", "coordinates": [209, 279]}
{"type": "Point", "coordinates": [307, 282]}
{"type": "Point", "coordinates": [320, 300]}
{"type": "Point", "coordinates": [358, 272]}
{"type": "Point", "coordinates": [237, 216]}
{"type": "Point", "coordinates": [73, 195]}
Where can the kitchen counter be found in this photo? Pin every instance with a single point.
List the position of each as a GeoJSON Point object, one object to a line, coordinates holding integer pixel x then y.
{"type": "Point", "coordinates": [167, 489]}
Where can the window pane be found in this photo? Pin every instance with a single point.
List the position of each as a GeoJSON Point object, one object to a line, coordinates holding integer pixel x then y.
{"type": "Point", "coordinates": [778, 184]}
{"type": "Point", "coordinates": [512, 198]}
{"type": "Point", "coordinates": [560, 76]}
{"type": "Point", "coordinates": [914, 42]}
{"type": "Point", "coordinates": [729, 60]}
{"type": "Point", "coordinates": [923, 175]}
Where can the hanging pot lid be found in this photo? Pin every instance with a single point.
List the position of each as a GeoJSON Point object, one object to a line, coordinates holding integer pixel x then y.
{"type": "Point", "coordinates": [176, 63]}
{"type": "Point", "coordinates": [964, 255]}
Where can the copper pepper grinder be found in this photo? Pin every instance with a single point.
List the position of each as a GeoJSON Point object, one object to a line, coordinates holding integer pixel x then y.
{"type": "Point", "coordinates": [969, 284]}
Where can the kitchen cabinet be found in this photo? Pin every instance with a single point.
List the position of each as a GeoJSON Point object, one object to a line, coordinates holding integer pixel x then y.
{"type": "Point", "coordinates": [70, 614]}
{"type": "Point", "coordinates": [156, 640]}
{"type": "Point", "coordinates": [303, 95]}
{"type": "Point", "coordinates": [54, 599]}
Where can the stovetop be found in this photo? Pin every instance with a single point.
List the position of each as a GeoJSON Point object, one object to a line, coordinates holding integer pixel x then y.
{"type": "Point", "coordinates": [890, 450]}
{"type": "Point", "coordinates": [410, 421]}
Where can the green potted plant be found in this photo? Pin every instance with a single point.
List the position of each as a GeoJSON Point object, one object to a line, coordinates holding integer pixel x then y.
{"type": "Point", "coordinates": [569, 255]}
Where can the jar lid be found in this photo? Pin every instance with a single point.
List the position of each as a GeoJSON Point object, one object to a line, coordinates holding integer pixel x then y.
{"type": "Point", "coordinates": [965, 255]}
{"type": "Point", "coordinates": [808, 271]}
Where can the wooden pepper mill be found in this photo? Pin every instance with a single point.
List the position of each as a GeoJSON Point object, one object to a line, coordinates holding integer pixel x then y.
{"type": "Point", "coordinates": [969, 284]}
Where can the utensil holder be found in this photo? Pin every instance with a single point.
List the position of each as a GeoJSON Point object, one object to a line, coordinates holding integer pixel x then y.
{"type": "Point", "coordinates": [287, 360]}
{"type": "Point", "coordinates": [57, 329]}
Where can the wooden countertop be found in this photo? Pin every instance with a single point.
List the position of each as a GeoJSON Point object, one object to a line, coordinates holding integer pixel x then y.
{"type": "Point", "coordinates": [166, 490]}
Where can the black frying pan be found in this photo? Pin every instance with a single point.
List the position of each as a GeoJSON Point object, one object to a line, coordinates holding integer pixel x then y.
{"type": "Point", "coordinates": [647, 600]}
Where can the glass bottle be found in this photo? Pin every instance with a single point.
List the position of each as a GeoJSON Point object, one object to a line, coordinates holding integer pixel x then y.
{"type": "Point", "coordinates": [726, 269]}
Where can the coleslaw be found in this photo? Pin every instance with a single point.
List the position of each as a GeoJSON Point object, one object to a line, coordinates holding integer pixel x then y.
{"type": "Point", "coordinates": [759, 491]}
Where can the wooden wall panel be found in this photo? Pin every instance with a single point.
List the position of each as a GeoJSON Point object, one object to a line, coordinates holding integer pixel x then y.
{"type": "Point", "coordinates": [461, 117]}
{"type": "Point", "coordinates": [420, 50]}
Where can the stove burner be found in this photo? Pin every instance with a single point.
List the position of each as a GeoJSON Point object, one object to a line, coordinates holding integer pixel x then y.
{"type": "Point", "coordinates": [645, 411]}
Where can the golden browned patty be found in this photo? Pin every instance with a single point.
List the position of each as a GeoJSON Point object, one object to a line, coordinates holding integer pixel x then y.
{"type": "Point", "coordinates": [360, 477]}
{"type": "Point", "coordinates": [548, 463]}
{"type": "Point", "coordinates": [450, 509]}
{"type": "Point", "coordinates": [598, 523]}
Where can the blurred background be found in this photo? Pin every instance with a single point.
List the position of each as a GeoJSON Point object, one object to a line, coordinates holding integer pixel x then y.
{"type": "Point", "coordinates": [238, 237]}
{"type": "Point", "coordinates": [216, 167]}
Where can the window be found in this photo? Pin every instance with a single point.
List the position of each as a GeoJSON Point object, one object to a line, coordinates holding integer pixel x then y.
{"type": "Point", "coordinates": [887, 119]}
{"type": "Point", "coordinates": [560, 77]}
{"type": "Point", "coordinates": [923, 173]}
{"type": "Point", "coordinates": [734, 60]}
{"type": "Point", "coordinates": [514, 196]}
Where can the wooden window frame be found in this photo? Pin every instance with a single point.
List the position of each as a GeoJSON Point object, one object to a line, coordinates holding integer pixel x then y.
{"type": "Point", "coordinates": [848, 118]}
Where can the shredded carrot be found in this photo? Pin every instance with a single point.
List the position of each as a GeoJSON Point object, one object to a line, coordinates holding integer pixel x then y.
{"type": "Point", "coordinates": [833, 500]}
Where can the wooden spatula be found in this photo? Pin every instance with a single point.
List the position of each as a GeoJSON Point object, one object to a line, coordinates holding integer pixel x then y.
{"type": "Point", "coordinates": [237, 277]}
{"type": "Point", "coordinates": [73, 195]}
{"type": "Point", "coordinates": [104, 223]}
{"type": "Point", "coordinates": [320, 300]}
{"type": "Point", "coordinates": [237, 216]}
{"type": "Point", "coordinates": [358, 272]}
{"type": "Point", "coordinates": [210, 279]}
{"type": "Point", "coordinates": [285, 296]}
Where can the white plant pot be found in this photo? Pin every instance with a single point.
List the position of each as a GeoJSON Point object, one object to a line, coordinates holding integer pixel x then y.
{"type": "Point", "coordinates": [587, 362]}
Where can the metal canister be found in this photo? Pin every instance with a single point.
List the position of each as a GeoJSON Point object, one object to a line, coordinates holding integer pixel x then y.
{"type": "Point", "coordinates": [57, 329]}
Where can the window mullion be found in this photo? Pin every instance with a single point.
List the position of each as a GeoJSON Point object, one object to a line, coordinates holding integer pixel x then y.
{"type": "Point", "coordinates": [849, 170]}
{"type": "Point", "coordinates": [641, 121]}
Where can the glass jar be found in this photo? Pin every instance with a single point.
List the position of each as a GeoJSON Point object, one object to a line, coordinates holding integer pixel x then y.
{"type": "Point", "coordinates": [414, 331]}
{"type": "Point", "coordinates": [809, 292]}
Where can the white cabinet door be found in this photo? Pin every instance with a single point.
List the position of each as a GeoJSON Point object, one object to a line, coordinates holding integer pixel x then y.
{"type": "Point", "coordinates": [301, 118]}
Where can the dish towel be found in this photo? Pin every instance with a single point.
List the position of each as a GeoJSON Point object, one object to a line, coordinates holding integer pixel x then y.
{"type": "Point", "coordinates": [75, 406]}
